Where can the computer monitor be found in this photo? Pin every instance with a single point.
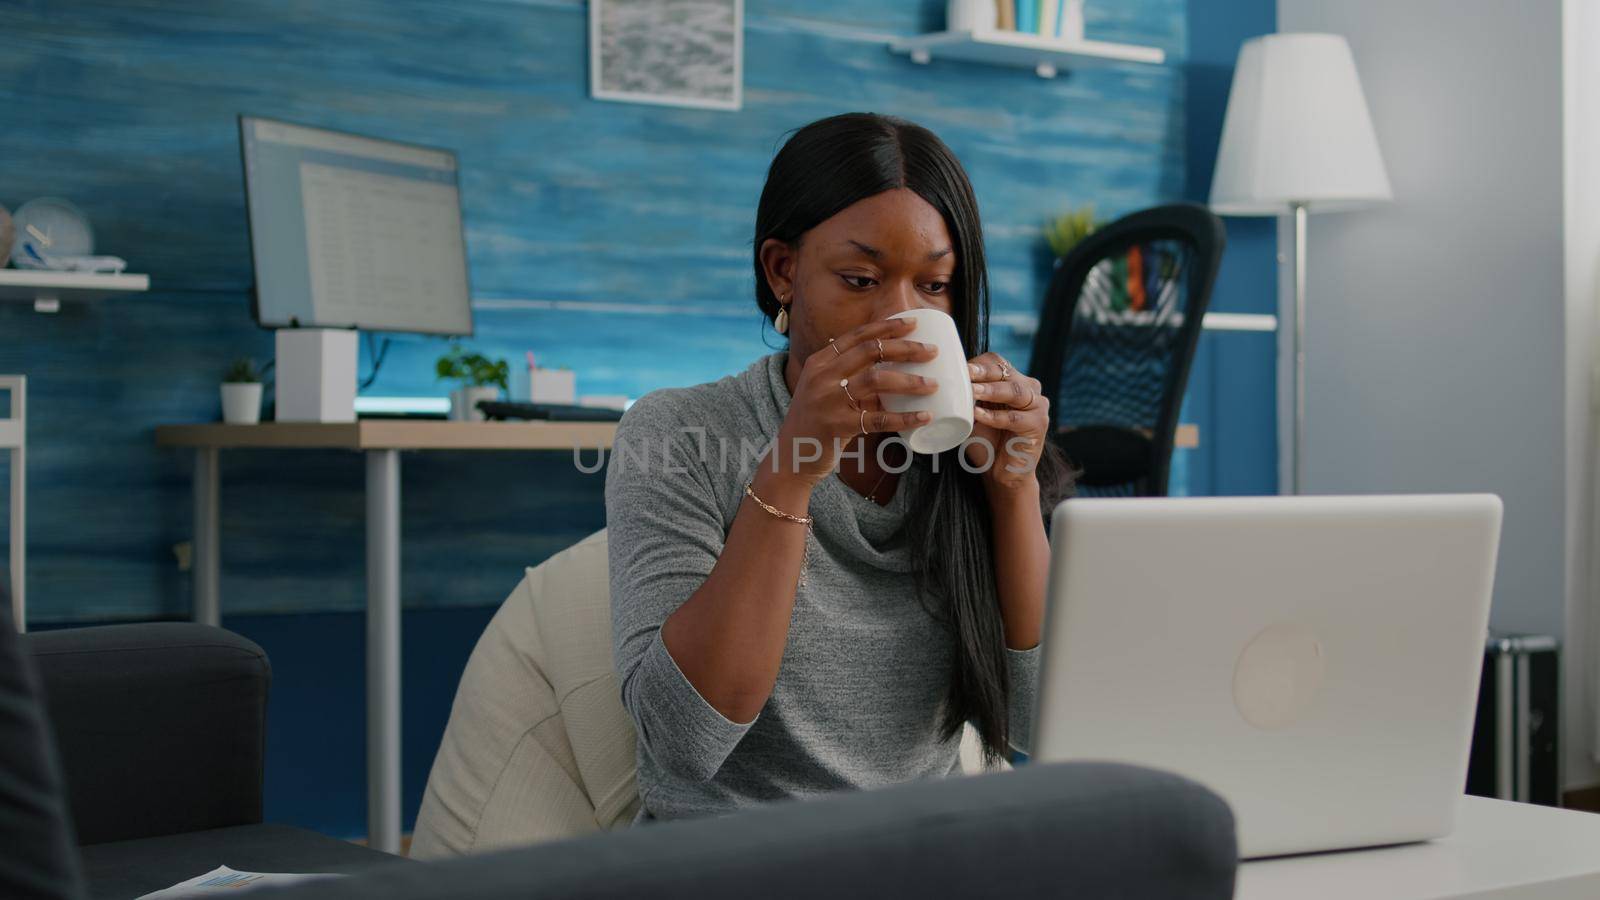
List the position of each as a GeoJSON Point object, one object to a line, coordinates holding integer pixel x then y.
{"type": "Point", "coordinates": [353, 232]}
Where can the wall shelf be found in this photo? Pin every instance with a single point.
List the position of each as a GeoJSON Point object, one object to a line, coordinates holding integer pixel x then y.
{"type": "Point", "coordinates": [46, 289]}
{"type": "Point", "coordinates": [1046, 56]}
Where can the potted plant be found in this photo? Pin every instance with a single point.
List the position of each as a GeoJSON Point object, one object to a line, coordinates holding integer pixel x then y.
{"type": "Point", "coordinates": [1068, 229]}
{"type": "Point", "coordinates": [479, 377]}
{"type": "Point", "coordinates": [241, 393]}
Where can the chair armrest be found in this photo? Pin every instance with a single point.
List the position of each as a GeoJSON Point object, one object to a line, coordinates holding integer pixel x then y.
{"type": "Point", "coordinates": [161, 727]}
{"type": "Point", "coordinates": [1074, 829]}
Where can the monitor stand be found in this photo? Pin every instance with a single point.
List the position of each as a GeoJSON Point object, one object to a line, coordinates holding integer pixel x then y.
{"type": "Point", "coordinates": [316, 375]}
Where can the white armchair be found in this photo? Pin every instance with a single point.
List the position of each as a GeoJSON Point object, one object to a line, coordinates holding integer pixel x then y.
{"type": "Point", "coordinates": [539, 746]}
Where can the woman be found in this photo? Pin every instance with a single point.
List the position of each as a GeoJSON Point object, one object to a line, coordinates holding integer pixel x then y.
{"type": "Point", "coordinates": [797, 607]}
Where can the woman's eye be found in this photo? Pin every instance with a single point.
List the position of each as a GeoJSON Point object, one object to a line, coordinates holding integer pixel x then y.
{"type": "Point", "coordinates": [937, 287]}
{"type": "Point", "coordinates": [858, 281]}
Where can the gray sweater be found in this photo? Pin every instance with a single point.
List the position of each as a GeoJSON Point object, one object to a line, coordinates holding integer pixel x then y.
{"type": "Point", "coordinates": [861, 686]}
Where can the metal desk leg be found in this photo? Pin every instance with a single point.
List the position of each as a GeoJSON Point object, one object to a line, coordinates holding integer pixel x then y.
{"type": "Point", "coordinates": [19, 536]}
{"type": "Point", "coordinates": [383, 650]}
{"type": "Point", "coordinates": [14, 437]}
{"type": "Point", "coordinates": [207, 531]}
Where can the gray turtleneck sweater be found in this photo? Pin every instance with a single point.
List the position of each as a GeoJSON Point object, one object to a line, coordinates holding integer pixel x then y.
{"type": "Point", "coordinates": [860, 690]}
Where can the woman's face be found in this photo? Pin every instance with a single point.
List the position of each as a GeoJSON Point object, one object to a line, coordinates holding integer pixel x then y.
{"type": "Point", "coordinates": [880, 256]}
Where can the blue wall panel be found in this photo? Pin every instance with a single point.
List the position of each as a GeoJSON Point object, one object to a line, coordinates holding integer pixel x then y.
{"type": "Point", "coordinates": [608, 237]}
{"type": "Point", "coordinates": [1233, 386]}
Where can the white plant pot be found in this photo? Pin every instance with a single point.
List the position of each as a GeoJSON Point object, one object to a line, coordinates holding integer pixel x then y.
{"type": "Point", "coordinates": [970, 15]}
{"type": "Point", "coordinates": [464, 403]}
{"type": "Point", "coordinates": [241, 403]}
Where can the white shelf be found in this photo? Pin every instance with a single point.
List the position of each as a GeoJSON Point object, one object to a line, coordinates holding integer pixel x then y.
{"type": "Point", "coordinates": [1044, 55]}
{"type": "Point", "coordinates": [45, 289]}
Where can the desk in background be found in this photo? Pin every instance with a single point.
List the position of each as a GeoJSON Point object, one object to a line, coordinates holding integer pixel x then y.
{"type": "Point", "coordinates": [381, 440]}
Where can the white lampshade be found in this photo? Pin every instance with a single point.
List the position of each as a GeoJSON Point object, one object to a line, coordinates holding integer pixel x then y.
{"type": "Point", "coordinates": [1297, 131]}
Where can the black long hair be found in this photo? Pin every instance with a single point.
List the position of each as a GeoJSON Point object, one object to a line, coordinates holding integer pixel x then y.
{"type": "Point", "coordinates": [823, 168]}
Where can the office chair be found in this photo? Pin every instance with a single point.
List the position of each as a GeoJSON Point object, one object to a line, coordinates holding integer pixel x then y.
{"type": "Point", "coordinates": [1116, 337]}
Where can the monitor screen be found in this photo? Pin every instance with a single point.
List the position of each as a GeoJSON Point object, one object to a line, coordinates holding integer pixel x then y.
{"type": "Point", "coordinates": [352, 232]}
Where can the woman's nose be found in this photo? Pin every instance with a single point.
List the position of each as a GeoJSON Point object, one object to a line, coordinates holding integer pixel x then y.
{"type": "Point", "coordinates": [898, 300]}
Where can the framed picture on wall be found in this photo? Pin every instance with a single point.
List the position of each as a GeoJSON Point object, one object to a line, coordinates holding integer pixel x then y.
{"type": "Point", "coordinates": [669, 52]}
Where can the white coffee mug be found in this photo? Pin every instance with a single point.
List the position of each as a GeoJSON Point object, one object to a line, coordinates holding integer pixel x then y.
{"type": "Point", "coordinates": [951, 405]}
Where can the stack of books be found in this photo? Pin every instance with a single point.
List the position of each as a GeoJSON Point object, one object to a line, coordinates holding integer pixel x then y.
{"type": "Point", "coordinates": [1048, 18]}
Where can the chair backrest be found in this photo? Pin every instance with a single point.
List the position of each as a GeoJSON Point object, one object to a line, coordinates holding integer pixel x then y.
{"type": "Point", "coordinates": [539, 746]}
{"type": "Point", "coordinates": [1116, 337]}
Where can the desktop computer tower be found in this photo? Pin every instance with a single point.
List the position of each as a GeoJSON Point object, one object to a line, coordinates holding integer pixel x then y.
{"type": "Point", "coordinates": [316, 375]}
{"type": "Point", "coordinates": [1516, 751]}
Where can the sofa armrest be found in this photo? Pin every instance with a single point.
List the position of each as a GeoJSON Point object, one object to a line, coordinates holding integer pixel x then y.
{"type": "Point", "coordinates": [1073, 829]}
{"type": "Point", "coordinates": [161, 727]}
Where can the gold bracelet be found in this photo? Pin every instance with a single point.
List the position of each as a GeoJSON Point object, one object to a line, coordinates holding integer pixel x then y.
{"type": "Point", "coordinates": [803, 520]}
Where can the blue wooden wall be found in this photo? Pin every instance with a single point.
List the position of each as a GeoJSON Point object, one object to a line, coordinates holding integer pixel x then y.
{"type": "Point", "coordinates": [611, 238]}
{"type": "Point", "coordinates": [1233, 385]}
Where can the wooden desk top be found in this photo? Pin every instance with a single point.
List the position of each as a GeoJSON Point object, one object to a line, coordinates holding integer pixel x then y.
{"type": "Point", "coordinates": [392, 434]}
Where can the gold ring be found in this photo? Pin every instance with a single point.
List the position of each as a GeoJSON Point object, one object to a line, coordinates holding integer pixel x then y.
{"type": "Point", "coordinates": [880, 348]}
{"type": "Point", "coordinates": [1005, 370]}
{"type": "Point", "coordinates": [845, 383]}
{"type": "Point", "coordinates": [835, 347]}
{"type": "Point", "coordinates": [863, 421]}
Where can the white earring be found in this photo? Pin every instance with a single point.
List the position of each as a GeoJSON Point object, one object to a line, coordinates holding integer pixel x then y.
{"type": "Point", "coordinates": [781, 323]}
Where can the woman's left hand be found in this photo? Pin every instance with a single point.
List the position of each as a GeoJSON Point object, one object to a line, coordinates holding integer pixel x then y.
{"type": "Point", "coordinates": [1012, 416]}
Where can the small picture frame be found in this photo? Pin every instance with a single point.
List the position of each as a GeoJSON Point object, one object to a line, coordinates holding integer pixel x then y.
{"type": "Point", "coordinates": [667, 52]}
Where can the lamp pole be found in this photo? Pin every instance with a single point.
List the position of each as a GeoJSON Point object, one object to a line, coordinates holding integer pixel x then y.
{"type": "Point", "coordinates": [1298, 483]}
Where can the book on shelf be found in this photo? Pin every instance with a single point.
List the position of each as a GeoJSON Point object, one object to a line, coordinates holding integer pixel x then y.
{"type": "Point", "coordinates": [1028, 16]}
{"type": "Point", "coordinates": [1046, 18]}
{"type": "Point", "coordinates": [1006, 15]}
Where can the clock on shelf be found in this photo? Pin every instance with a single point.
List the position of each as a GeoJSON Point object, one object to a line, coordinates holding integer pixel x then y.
{"type": "Point", "coordinates": [49, 227]}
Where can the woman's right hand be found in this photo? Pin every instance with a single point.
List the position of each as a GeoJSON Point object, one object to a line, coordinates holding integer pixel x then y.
{"type": "Point", "coordinates": [822, 418]}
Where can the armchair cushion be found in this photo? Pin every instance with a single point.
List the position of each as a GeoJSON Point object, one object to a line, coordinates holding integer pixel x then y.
{"type": "Point", "coordinates": [538, 745]}
{"type": "Point", "coordinates": [161, 726]}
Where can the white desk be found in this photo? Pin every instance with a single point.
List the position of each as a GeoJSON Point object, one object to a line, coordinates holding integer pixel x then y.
{"type": "Point", "coordinates": [381, 440]}
{"type": "Point", "coordinates": [1499, 850]}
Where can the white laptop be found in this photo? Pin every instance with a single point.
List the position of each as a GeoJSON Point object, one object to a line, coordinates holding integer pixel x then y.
{"type": "Point", "coordinates": [1314, 660]}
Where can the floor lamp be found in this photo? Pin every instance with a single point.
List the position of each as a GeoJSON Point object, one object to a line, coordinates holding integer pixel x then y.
{"type": "Point", "coordinates": [1297, 139]}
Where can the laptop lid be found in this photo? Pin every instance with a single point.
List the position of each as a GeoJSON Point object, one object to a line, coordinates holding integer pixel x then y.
{"type": "Point", "coordinates": [1314, 660]}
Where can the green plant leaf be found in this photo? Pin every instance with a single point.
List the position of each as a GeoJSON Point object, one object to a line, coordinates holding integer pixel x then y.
{"type": "Point", "coordinates": [242, 371]}
{"type": "Point", "coordinates": [473, 369]}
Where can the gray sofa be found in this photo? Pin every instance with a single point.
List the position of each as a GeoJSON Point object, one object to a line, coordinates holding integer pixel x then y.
{"type": "Point", "coordinates": [160, 730]}
{"type": "Point", "coordinates": [1068, 830]}
{"type": "Point", "coordinates": [159, 733]}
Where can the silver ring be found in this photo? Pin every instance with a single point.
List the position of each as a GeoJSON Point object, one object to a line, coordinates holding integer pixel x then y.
{"type": "Point", "coordinates": [880, 348]}
{"type": "Point", "coordinates": [845, 383]}
{"type": "Point", "coordinates": [835, 347]}
{"type": "Point", "coordinates": [863, 421]}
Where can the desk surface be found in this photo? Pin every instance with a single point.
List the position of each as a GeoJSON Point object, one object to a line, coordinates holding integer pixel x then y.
{"type": "Point", "coordinates": [1498, 849]}
{"type": "Point", "coordinates": [392, 434]}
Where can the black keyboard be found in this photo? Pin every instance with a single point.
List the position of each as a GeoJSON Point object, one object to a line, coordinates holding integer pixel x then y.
{"type": "Point", "coordinates": [554, 412]}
